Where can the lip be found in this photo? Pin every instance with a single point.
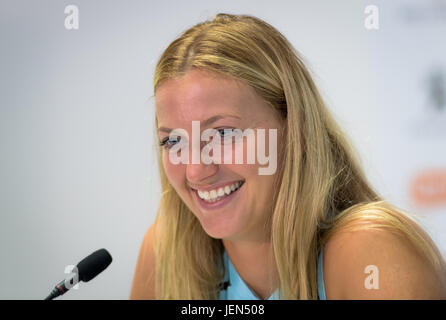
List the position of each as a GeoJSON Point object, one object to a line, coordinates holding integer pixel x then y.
{"type": "Point", "coordinates": [214, 186]}
{"type": "Point", "coordinates": [217, 204]}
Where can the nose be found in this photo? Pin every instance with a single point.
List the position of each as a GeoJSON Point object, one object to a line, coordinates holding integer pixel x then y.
{"type": "Point", "coordinates": [197, 173]}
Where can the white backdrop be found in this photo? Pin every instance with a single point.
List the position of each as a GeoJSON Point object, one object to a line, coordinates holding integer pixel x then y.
{"type": "Point", "coordinates": [78, 169]}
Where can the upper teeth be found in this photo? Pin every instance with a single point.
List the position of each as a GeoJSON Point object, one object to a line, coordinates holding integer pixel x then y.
{"type": "Point", "coordinates": [215, 194]}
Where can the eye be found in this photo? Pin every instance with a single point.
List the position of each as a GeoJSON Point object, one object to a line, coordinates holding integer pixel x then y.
{"type": "Point", "coordinates": [168, 143]}
{"type": "Point", "coordinates": [225, 132]}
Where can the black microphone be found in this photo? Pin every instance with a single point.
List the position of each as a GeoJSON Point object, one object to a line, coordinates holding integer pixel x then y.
{"type": "Point", "coordinates": [87, 269]}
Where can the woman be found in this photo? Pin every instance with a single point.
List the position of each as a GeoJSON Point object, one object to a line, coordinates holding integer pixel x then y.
{"type": "Point", "coordinates": [313, 228]}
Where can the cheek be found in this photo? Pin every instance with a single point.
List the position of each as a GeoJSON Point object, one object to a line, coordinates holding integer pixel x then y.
{"type": "Point", "coordinates": [175, 173]}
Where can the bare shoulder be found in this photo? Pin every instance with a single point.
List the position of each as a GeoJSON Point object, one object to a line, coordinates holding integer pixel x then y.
{"type": "Point", "coordinates": [143, 286]}
{"type": "Point", "coordinates": [378, 264]}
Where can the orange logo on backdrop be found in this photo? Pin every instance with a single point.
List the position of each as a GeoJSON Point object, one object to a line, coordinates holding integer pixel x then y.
{"type": "Point", "coordinates": [429, 188]}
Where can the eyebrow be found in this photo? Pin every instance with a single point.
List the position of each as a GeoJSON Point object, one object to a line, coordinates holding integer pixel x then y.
{"type": "Point", "coordinates": [205, 122]}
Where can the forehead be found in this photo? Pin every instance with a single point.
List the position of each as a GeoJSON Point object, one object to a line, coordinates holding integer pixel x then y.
{"type": "Point", "coordinates": [199, 95]}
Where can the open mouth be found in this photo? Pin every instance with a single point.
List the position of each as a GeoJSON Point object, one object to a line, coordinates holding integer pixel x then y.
{"type": "Point", "coordinates": [222, 195]}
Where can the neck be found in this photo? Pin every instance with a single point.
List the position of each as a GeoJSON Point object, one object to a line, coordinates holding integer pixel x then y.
{"type": "Point", "coordinates": [254, 262]}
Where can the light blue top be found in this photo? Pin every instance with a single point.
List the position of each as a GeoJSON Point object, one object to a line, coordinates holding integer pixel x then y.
{"type": "Point", "coordinates": [236, 288]}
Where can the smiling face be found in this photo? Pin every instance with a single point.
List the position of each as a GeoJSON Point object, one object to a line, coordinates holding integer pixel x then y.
{"type": "Point", "coordinates": [243, 197]}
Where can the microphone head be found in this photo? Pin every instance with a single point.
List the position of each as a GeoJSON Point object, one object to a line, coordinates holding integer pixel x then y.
{"type": "Point", "coordinates": [93, 265]}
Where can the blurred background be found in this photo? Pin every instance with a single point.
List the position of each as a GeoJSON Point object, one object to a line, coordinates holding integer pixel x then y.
{"type": "Point", "coordinates": [78, 166]}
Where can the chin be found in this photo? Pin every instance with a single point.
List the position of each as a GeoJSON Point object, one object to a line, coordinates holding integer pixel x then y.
{"type": "Point", "coordinates": [222, 231]}
{"type": "Point", "coordinates": [217, 231]}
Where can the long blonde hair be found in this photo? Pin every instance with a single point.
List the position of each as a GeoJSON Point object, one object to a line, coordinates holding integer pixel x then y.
{"type": "Point", "coordinates": [322, 187]}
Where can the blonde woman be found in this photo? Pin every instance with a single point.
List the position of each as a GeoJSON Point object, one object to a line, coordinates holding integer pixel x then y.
{"type": "Point", "coordinates": [313, 228]}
